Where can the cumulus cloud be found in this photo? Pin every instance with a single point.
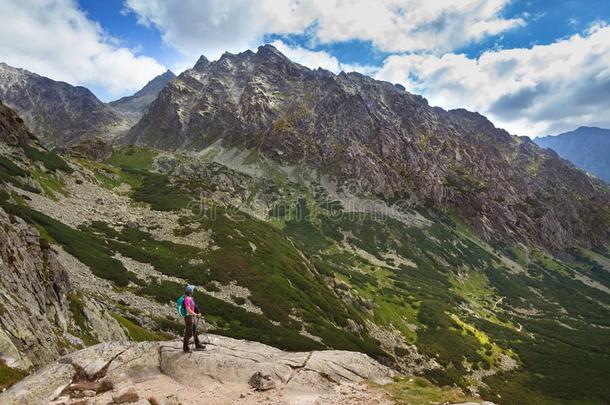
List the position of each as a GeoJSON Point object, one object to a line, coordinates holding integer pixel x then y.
{"type": "Point", "coordinates": [323, 59]}
{"type": "Point", "coordinates": [529, 91]}
{"type": "Point", "coordinates": [55, 38]}
{"type": "Point", "coordinates": [214, 26]}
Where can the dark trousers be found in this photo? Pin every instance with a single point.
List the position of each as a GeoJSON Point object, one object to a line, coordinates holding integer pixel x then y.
{"type": "Point", "coordinates": [189, 330]}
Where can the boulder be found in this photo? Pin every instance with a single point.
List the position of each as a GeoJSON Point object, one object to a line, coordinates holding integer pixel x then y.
{"type": "Point", "coordinates": [261, 382]}
{"type": "Point", "coordinates": [41, 387]}
{"type": "Point", "coordinates": [126, 396]}
{"type": "Point", "coordinates": [172, 400]}
{"type": "Point", "coordinates": [89, 393]}
{"type": "Point", "coordinates": [154, 401]}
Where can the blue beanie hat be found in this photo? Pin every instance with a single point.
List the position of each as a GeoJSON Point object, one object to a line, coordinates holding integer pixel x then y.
{"type": "Point", "coordinates": [189, 288]}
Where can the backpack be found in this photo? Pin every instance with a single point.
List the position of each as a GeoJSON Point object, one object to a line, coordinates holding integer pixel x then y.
{"type": "Point", "coordinates": [180, 307]}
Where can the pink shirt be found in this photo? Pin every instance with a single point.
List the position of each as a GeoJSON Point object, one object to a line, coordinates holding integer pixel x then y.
{"type": "Point", "coordinates": [189, 304]}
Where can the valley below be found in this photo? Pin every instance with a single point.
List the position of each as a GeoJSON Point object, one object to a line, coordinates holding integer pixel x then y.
{"type": "Point", "coordinates": [477, 268]}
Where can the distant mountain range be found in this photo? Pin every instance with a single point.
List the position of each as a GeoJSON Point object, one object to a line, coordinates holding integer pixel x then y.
{"type": "Point", "coordinates": [61, 114]}
{"type": "Point", "coordinates": [586, 147]}
{"type": "Point", "coordinates": [57, 111]}
{"type": "Point", "coordinates": [137, 104]}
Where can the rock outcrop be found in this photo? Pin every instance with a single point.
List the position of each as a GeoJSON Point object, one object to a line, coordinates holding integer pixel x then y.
{"type": "Point", "coordinates": [33, 304]}
{"type": "Point", "coordinates": [39, 309]}
{"type": "Point", "coordinates": [92, 148]}
{"type": "Point", "coordinates": [57, 112]}
{"type": "Point", "coordinates": [220, 373]}
{"type": "Point", "coordinates": [12, 128]}
{"type": "Point", "coordinates": [388, 141]}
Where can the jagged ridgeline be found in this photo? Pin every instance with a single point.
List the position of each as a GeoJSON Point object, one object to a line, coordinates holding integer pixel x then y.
{"type": "Point", "coordinates": [317, 211]}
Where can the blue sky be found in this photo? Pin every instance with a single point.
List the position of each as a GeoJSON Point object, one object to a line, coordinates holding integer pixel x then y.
{"type": "Point", "coordinates": [533, 67]}
{"type": "Point", "coordinates": [548, 21]}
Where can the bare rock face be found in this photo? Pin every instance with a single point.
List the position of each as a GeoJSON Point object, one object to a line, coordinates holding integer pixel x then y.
{"type": "Point", "coordinates": [389, 141]}
{"type": "Point", "coordinates": [12, 129]}
{"type": "Point", "coordinates": [57, 112]}
{"type": "Point", "coordinates": [227, 363]}
{"type": "Point", "coordinates": [34, 284]}
{"type": "Point", "coordinates": [33, 304]}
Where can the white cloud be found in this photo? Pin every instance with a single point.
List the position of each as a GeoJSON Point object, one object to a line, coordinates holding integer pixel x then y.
{"type": "Point", "coordinates": [55, 38]}
{"type": "Point", "coordinates": [529, 91]}
{"type": "Point", "coordinates": [315, 59]}
{"type": "Point", "coordinates": [214, 26]}
{"type": "Point", "coordinates": [306, 57]}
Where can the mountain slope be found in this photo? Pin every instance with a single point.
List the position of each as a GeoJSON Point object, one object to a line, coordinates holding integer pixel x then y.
{"type": "Point", "coordinates": [284, 257]}
{"type": "Point", "coordinates": [39, 316]}
{"type": "Point", "coordinates": [392, 143]}
{"type": "Point", "coordinates": [57, 112]}
{"type": "Point", "coordinates": [136, 105]}
{"type": "Point", "coordinates": [586, 147]}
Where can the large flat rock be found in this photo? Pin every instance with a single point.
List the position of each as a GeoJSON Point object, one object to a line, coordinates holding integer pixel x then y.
{"type": "Point", "coordinates": [300, 377]}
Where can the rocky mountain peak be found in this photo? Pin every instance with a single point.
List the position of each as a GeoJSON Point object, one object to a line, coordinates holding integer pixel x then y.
{"type": "Point", "coordinates": [393, 142]}
{"type": "Point", "coordinates": [202, 63]}
{"type": "Point", "coordinates": [134, 106]}
{"type": "Point", "coordinates": [159, 81]}
{"type": "Point", "coordinates": [266, 55]}
{"type": "Point", "coordinates": [57, 112]}
{"type": "Point", "coordinates": [271, 52]}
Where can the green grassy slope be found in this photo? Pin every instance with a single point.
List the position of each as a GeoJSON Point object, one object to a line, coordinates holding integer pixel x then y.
{"type": "Point", "coordinates": [313, 266]}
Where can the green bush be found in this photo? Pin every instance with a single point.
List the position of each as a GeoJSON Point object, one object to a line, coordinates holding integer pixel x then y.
{"type": "Point", "coordinates": [234, 321]}
{"type": "Point", "coordinates": [13, 174]}
{"type": "Point", "coordinates": [159, 192]}
{"type": "Point", "coordinates": [76, 307]}
{"type": "Point", "coordinates": [132, 157]}
{"type": "Point", "coordinates": [7, 167]}
{"type": "Point", "coordinates": [89, 249]}
{"type": "Point", "coordinates": [138, 333]}
{"type": "Point", "coordinates": [49, 159]}
{"type": "Point", "coordinates": [9, 375]}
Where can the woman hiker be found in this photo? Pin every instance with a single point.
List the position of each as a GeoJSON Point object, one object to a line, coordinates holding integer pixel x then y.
{"type": "Point", "coordinates": [191, 311]}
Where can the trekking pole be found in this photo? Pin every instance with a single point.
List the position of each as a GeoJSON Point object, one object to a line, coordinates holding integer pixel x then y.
{"type": "Point", "coordinates": [204, 338]}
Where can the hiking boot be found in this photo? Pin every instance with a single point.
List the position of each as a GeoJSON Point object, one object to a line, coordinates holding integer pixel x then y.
{"type": "Point", "coordinates": [199, 347]}
{"type": "Point", "coordinates": [186, 349]}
